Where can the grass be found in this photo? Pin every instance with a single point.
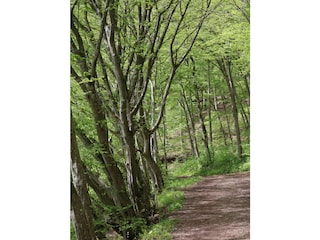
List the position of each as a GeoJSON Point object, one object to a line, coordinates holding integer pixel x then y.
{"type": "Point", "coordinates": [223, 162]}
{"type": "Point", "coordinates": [160, 231]}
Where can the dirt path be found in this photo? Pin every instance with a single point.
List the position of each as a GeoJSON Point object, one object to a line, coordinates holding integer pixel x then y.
{"type": "Point", "coordinates": [217, 208]}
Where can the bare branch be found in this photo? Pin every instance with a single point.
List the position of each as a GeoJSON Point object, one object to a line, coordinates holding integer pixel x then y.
{"type": "Point", "coordinates": [82, 62]}
{"type": "Point", "coordinates": [164, 100]}
{"type": "Point", "coordinates": [242, 11]}
{"type": "Point", "coordinates": [173, 53]}
{"type": "Point", "coordinates": [98, 44]}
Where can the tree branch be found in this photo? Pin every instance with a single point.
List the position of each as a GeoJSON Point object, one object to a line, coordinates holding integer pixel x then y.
{"type": "Point", "coordinates": [98, 44]}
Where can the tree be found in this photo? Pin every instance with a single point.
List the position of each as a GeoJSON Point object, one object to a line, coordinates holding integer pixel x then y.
{"type": "Point", "coordinates": [115, 46]}
{"type": "Point", "coordinates": [228, 49]}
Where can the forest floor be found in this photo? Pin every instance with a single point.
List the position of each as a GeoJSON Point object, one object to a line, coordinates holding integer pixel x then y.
{"type": "Point", "coordinates": [217, 208]}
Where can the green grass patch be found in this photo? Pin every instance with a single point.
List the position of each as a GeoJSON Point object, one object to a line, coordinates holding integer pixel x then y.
{"type": "Point", "coordinates": [222, 162]}
{"type": "Point", "coordinates": [188, 168]}
{"type": "Point", "coordinates": [170, 200]}
{"type": "Point", "coordinates": [244, 167]}
{"type": "Point", "coordinates": [159, 231]}
{"type": "Point", "coordinates": [178, 183]}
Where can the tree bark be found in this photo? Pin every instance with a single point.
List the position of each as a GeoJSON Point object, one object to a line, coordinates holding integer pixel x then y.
{"type": "Point", "coordinates": [165, 142]}
{"type": "Point", "coordinates": [190, 123]}
{"type": "Point", "coordinates": [155, 172]}
{"type": "Point", "coordinates": [181, 132]}
{"type": "Point", "coordinates": [81, 213]}
{"type": "Point", "coordinates": [226, 115]}
{"type": "Point", "coordinates": [225, 67]}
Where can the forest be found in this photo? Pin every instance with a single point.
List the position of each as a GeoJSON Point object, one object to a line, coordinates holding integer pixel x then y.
{"type": "Point", "coordinates": [157, 87]}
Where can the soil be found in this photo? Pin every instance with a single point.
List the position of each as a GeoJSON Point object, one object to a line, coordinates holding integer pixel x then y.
{"type": "Point", "coordinates": [217, 208]}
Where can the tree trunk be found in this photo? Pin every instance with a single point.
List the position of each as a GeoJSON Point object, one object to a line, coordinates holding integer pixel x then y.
{"type": "Point", "coordinates": [82, 226]}
{"type": "Point", "coordinates": [209, 105]}
{"type": "Point", "coordinates": [115, 177]}
{"type": "Point", "coordinates": [155, 171]}
{"type": "Point", "coordinates": [246, 80]}
{"type": "Point", "coordinates": [181, 132]}
{"type": "Point", "coordinates": [226, 115]}
{"type": "Point", "coordinates": [165, 142]}
{"type": "Point", "coordinates": [190, 123]}
{"type": "Point", "coordinates": [244, 116]}
{"type": "Point", "coordinates": [203, 127]}
{"type": "Point", "coordinates": [153, 137]}
{"type": "Point", "coordinates": [182, 105]}
{"type": "Point", "coordinates": [215, 107]}
{"type": "Point", "coordinates": [138, 186]}
{"type": "Point", "coordinates": [200, 115]}
{"type": "Point", "coordinates": [81, 213]}
{"type": "Point", "coordinates": [119, 193]}
{"type": "Point", "coordinates": [243, 99]}
{"type": "Point", "coordinates": [225, 67]}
